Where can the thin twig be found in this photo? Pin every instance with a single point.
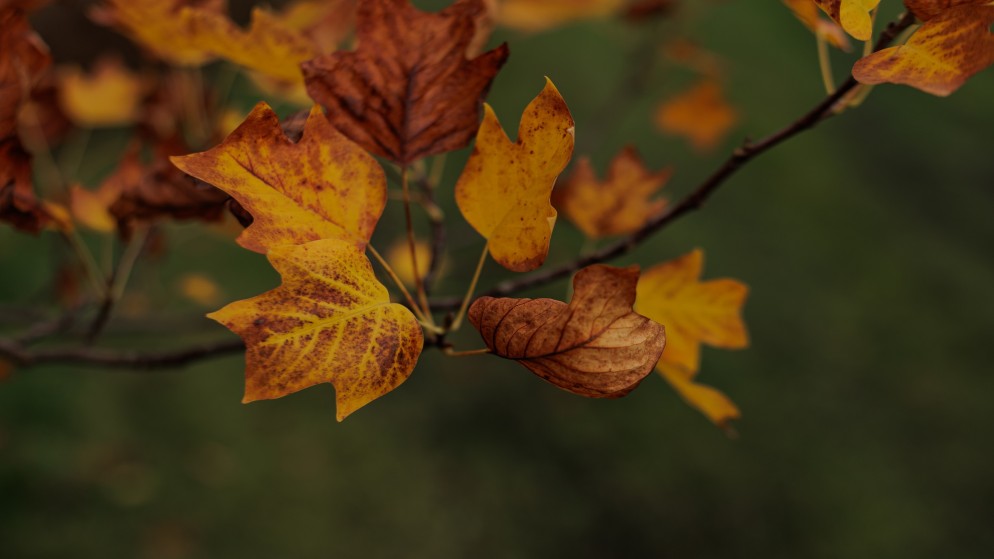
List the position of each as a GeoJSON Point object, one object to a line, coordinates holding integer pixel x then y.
{"type": "Point", "coordinates": [123, 359]}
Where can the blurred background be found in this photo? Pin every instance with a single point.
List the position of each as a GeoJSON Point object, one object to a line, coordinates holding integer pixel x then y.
{"type": "Point", "coordinates": [866, 428]}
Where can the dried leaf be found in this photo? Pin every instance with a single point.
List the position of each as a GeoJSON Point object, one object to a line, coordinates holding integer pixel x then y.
{"type": "Point", "coordinates": [408, 91]}
{"type": "Point", "coordinates": [927, 9]}
{"type": "Point", "coordinates": [109, 96]}
{"type": "Point", "coordinates": [504, 190]}
{"type": "Point", "coordinates": [539, 15]}
{"type": "Point", "coordinates": [808, 13]}
{"type": "Point", "coordinates": [853, 15]}
{"type": "Point", "coordinates": [941, 56]}
{"type": "Point", "coordinates": [164, 27]}
{"type": "Point", "coordinates": [701, 114]}
{"type": "Point", "coordinates": [330, 321]}
{"type": "Point", "coordinates": [322, 187]}
{"type": "Point", "coordinates": [618, 205]}
{"type": "Point", "coordinates": [596, 346]}
{"type": "Point", "coordinates": [693, 312]}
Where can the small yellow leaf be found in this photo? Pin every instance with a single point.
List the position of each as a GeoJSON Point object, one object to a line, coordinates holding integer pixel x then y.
{"type": "Point", "coordinates": [620, 204]}
{"type": "Point", "coordinates": [399, 257]}
{"type": "Point", "coordinates": [200, 289]}
{"type": "Point", "coordinates": [59, 215]}
{"type": "Point", "coordinates": [109, 96]}
{"type": "Point", "coordinates": [322, 187]}
{"type": "Point", "coordinates": [853, 15]}
{"type": "Point", "coordinates": [539, 15]}
{"type": "Point", "coordinates": [807, 12]}
{"type": "Point", "coordinates": [701, 114]}
{"type": "Point", "coordinates": [505, 188]}
{"type": "Point", "coordinates": [161, 26]}
{"type": "Point", "coordinates": [91, 209]}
{"type": "Point", "coordinates": [330, 321]}
{"type": "Point", "coordinates": [945, 52]}
{"type": "Point", "coordinates": [693, 312]}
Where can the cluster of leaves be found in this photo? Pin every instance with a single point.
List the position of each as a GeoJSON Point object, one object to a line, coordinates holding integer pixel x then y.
{"type": "Point", "coordinates": [310, 190]}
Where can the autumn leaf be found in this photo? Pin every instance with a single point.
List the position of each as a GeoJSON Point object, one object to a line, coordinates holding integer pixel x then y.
{"type": "Point", "coordinates": [330, 321]}
{"type": "Point", "coordinates": [408, 91]}
{"type": "Point", "coordinates": [399, 257]}
{"type": "Point", "coordinates": [701, 114]}
{"type": "Point", "coordinates": [22, 63]}
{"type": "Point", "coordinates": [618, 205]}
{"type": "Point", "coordinates": [693, 312]}
{"type": "Point", "coordinates": [322, 187]}
{"type": "Point", "coordinates": [505, 188]}
{"type": "Point", "coordinates": [941, 56]}
{"type": "Point", "coordinates": [200, 289]}
{"type": "Point", "coordinates": [164, 27]}
{"type": "Point", "coordinates": [539, 15]}
{"type": "Point", "coordinates": [108, 96]}
{"type": "Point", "coordinates": [91, 208]}
{"type": "Point", "coordinates": [807, 12]}
{"type": "Point", "coordinates": [596, 346]}
{"type": "Point", "coordinates": [927, 9]}
{"type": "Point", "coordinates": [853, 15]}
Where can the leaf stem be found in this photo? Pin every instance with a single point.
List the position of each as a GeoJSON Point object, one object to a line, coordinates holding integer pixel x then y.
{"type": "Point", "coordinates": [825, 64]}
{"type": "Point", "coordinates": [467, 353]}
{"type": "Point", "coordinates": [424, 320]}
{"type": "Point", "coordinates": [409, 224]}
{"type": "Point", "coordinates": [117, 282]}
{"type": "Point", "coordinates": [457, 322]}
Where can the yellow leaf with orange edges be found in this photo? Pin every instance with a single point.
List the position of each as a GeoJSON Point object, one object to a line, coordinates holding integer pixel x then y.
{"type": "Point", "coordinates": [322, 187]}
{"type": "Point", "coordinates": [108, 96]}
{"type": "Point", "coordinates": [538, 15]}
{"type": "Point", "coordinates": [853, 15]}
{"type": "Point", "coordinates": [268, 46]}
{"type": "Point", "coordinates": [693, 312]}
{"type": "Point", "coordinates": [330, 321]}
{"type": "Point", "coordinates": [808, 13]}
{"type": "Point", "coordinates": [701, 114]}
{"type": "Point", "coordinates": [164, 27]}
{"type": "Point", "coordinates": [941, 56]}
{"type": "Point", "coordinates": [713, 403]}
{"type": "Point", "coordinates": [505, 188]}
{"type": "Point", "coordinates": [618, 205]}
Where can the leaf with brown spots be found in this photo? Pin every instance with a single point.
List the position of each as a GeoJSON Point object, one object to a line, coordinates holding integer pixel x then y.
{"type": "Point", "coordinates": [618, 205]}
{"type": "Point", "coordinates": [408, 91]}
{"type": "Point", "coordinates": [941, 56]}
{"type": "Point", "coordinates": [701, 114]}
{"type": "Point", "coordinates": [596, 346]}
{"type": "Point", "coordinates": [23, 60]}
{"type": "Point", "coordinates": [694, 312]}
{"type": "Point", "coordinates": [322, 187]}
{"type": "Point", "coordinates": [807, 12]}
{"type": "Point", "coordinates": [330, 321]}
{"type": "Point", "coordinates": [852, 15]}
{"type": "Point", "coordinates": [505, 188]}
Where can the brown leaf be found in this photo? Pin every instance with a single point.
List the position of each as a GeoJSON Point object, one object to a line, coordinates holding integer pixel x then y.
{"type": "Point", "coordinates": [408, 91]}
{"type": "Point", "coordinates": [596, 346]}
{"type": "Point", "coordinates": [927, 9]}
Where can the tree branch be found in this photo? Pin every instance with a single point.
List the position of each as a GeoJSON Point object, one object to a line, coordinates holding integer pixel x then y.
{"type": "Point", "coordinates": [696, 198]}
{"type": "Point", "coordinates": [124, 359]}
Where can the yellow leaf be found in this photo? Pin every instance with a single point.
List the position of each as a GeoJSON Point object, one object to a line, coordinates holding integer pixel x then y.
{"type": "Point", "coordinates": [330, 321]}
{"type": "Point", "coordinates": [538, 15]}
{"type": "Point", "coordinates": [700, 114]}
{"type": "Point", "coordinates": [945, 52]}
{"type": "Point", "coordinates": [200, 289]}
{"type": "Point", "coordinates": [693, 312]}
{"type": "Point", "coordinates": [505, 188]}
{"type": "Point", "coordinates": [853, 15]}
{"type": "Point", "coordinates": [162, 26]}
{"type": "Point", "coordinates": [807, 12]}
{"type": "Point", "coordinates": [109, 96]}
{"type": "Point", "coordinates": [92, 208]}
{"type": "Point", "coordinates": [268, 46]}
{"type": "Point", "coordinates": [399, 257]}
{"type": "Point", "coordinates": [712, 403]}
{"type": "Point", "coordinates": [620, 204]}
{"type": "Point", "coordinates": [322, 187]}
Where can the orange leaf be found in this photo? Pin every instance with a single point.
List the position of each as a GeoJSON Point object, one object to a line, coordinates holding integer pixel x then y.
{"type": "Point", "coordinates": [945, 52]}
{"type": "Point", "coordinates": [322, 187]}
{"type": "Point", "coordinates": [620, 204]}
{"type": "Point", "coordinates": [408, 91]}
{"type": "Point", "coordinates": [595, 346]}
{"type": "Point", "coordinates": [164, 27]}
{"type": "Point", "coordinates": [700, 114]}
{"type": "Point", "coordinates": [504, 190]}
{"type": "Point", "coordinates": [927, 9]}
{"type": "Point", "coordinates": [330, 321]}
{"type": "Point", "coordinates": [108, 96]}
{"type": "Point", "coordinates": [693, 312]}
{"type": "Point", "coordinates": [539, 15]}
{"type": "Point", "coordinates": [807, 12]}
{"type": "Point", "coordinates": [853, 15]}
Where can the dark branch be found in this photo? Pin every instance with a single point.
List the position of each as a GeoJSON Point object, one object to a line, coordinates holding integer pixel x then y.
{"type": "Point", "coordinates": [123, 359]}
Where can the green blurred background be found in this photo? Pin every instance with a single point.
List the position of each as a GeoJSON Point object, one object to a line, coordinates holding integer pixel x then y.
{"type": "Point", "coordinates": [867, 429]}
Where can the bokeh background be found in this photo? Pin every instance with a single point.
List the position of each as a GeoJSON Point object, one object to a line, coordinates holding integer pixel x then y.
{"type": "Point", "coordinates": [867, 425]}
